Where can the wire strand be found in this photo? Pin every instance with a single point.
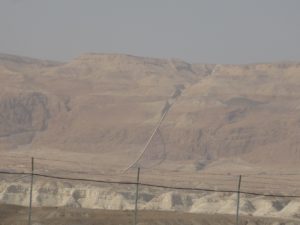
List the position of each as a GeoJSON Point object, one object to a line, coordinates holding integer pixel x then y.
{"type": "Point", "coordinates": [152, 185]}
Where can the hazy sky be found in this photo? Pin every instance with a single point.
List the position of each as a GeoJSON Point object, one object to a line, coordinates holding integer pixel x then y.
{"type": "Point", "coordinates": [207, 31]}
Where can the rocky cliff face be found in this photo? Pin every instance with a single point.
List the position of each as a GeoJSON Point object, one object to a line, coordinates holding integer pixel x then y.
{"type": "Point", "coordinates": [21, 118]}
{"type": "Point", "coordinates": [23, 115]}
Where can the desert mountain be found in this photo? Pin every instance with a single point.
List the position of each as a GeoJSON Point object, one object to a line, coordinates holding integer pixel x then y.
{"type": "Point", "coordinates": [109, 104]}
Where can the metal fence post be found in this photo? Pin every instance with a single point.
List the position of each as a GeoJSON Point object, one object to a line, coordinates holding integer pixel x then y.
{"type": "Point", "coordinates": [136, 197]}
{"type": "Point", "coordinates": [238, 200]}
{"type": "Point", "coordinates": [31, 187]}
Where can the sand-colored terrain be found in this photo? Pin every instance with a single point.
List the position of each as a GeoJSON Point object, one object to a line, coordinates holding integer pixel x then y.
{"type": "Point", "coordinates": [89, 195]}
{"type": "Point", "coordinates": [101, 109]}
{"type": "Point", "coordinates": [13, 215]}
{"type": "Point", "coordinates": [91, 117]}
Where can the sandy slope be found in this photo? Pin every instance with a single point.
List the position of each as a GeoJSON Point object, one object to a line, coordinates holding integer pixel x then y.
{"type": "Point", "coordinates": [103, 107]}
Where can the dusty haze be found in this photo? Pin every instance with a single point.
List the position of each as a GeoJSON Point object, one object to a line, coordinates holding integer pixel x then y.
{"type": "Point", "coordinates": [207, 31]}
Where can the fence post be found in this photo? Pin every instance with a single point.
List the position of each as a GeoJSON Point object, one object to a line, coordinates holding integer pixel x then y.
{"type": "Point", "coordinates": [238, 200]}
{"type": "Point", "coordinates": [31, 187]}
{"type": "Point", "coordinates": [136, 197]}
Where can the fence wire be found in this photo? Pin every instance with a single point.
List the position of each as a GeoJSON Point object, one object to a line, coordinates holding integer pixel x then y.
{"type": "Point", "coordinates": [149, 185]}
{"type": "Point", "coordinates": [225, 184]}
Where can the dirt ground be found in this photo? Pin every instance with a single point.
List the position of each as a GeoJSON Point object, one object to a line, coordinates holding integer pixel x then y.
{"type": "Point", "coordinates": [16, 215]}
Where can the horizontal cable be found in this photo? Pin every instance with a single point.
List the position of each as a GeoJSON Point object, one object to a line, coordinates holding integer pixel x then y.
{"type": "Point", "coordinates": [56, 160]}
{"type": "Point", "coordinates": [65, 178]}
{"type": "Point", "coordinates": [151, 185]}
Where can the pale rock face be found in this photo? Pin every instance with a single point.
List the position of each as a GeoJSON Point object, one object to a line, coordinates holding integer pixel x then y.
{"type": "Point", "coordinates": [22, 117]}
{"type": "Point", "coordinates": [55, 194]}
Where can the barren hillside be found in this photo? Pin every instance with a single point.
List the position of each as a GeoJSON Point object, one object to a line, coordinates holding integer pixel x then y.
{"type": "Point", "coordinates": [105, 106]}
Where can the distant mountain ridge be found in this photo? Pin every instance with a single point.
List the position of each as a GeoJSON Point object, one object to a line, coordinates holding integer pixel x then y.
{"type": "Point", "coordinates": [110, 103]}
